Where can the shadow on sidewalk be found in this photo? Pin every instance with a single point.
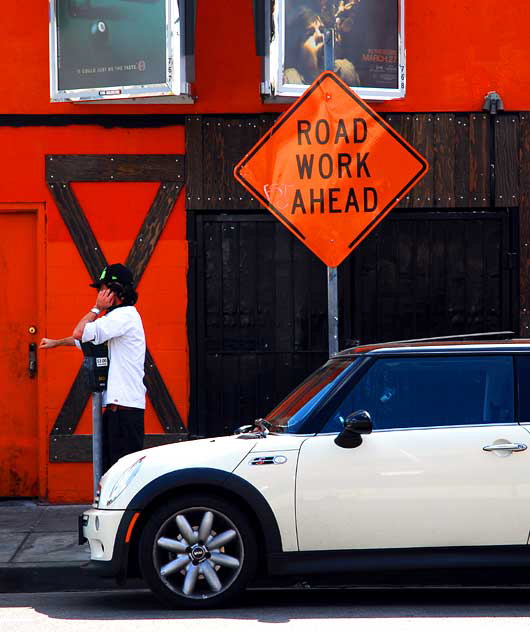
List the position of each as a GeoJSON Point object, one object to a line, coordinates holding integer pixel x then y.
{"type": "Point", "coordinates": [281, 606]}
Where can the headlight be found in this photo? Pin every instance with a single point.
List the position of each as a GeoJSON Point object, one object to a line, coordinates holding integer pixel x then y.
{"type": "Point", "coordinates": [124, 480]}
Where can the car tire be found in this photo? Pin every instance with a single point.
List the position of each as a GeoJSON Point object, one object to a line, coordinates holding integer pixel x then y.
{"type": "Point", "coordinates": [197, 551]}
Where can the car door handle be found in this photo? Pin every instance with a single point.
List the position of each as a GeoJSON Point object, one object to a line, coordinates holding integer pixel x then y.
{"type": "Point", "coordinates": [513, 447]}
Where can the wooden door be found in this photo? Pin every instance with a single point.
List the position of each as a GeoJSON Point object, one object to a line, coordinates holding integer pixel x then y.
{"type": "Point", "coordinates": [262, 318]}
{"type": "Point", "coordinates": [18, 389]}
{"type": "Point", "coordinates": [432, 274]}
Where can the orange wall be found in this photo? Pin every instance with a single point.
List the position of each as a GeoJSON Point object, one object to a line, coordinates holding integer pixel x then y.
{"type": "Point", "coordinates": [115, 212]}
{"type": "Point", "coordinates": [456, 52]}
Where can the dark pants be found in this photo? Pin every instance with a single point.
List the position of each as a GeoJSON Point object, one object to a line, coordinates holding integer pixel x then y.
{"type": "Point", "coordinates": [123, 433]}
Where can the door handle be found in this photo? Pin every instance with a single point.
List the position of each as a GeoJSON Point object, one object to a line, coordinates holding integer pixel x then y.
{"type": "Point", "coordinates": [32, 368]}
{"type": "Point", "coordinates": [512, 447]}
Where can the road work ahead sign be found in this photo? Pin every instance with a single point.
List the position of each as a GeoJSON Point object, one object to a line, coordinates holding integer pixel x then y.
{"type": "Point", "coordinates": [330, 169]}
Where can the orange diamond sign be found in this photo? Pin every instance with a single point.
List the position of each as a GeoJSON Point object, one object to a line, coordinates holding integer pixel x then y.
{"type": "Point", "coordinates": [330, 169]}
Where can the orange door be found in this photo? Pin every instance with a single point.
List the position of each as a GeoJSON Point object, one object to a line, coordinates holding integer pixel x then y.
{"type": "Point", "coordinates": [18, 386]}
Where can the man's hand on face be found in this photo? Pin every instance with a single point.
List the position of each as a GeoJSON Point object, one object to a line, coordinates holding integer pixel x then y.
{"type": "Point", "coordinates": [106, 298]}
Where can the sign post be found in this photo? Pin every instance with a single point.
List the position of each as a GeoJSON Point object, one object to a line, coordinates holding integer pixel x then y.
{"type": "Point", "coordinates": [97, 471]}
{"type": "Point", "coordinates": [333, 311]}
{"type": "Point", "coordinates": [330, 169]}
{"type": "Point", "coordinates": [333, 277]}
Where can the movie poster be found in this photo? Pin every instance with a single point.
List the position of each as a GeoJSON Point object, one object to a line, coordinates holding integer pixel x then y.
{"type": "Point", "coordinates": [104, 43]}
{"type": "Point", "coordinates": [363, 36]}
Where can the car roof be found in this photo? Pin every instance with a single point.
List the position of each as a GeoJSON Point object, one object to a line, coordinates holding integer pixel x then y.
{"type": "Point", "coordinates": [440, 346]}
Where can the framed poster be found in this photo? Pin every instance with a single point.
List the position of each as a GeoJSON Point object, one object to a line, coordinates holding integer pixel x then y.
{"type": "Point", "coordinates": [361, 40]}
{"type": "Point", "coordinates": [112, 49]}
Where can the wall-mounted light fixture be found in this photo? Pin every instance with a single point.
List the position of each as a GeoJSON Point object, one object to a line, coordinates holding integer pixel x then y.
{"type": "Point", "coordinates": [493, 103]}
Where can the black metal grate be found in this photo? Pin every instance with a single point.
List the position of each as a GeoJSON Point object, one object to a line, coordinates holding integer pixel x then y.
{"type": "Point", "coordinates": [261, 300]}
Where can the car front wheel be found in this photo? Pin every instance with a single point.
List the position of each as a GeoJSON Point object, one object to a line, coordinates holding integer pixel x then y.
{"type": "Point", "coordinates": [197, 552]}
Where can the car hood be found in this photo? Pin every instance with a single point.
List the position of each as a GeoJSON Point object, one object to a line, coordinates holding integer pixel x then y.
{"type": "Point", "coordinates": [220, 453]}
{"type": "Point", "coordinates": [223, 453]}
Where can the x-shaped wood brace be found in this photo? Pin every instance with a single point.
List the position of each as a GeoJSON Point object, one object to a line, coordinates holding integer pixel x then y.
{"type": "Point", "coordinates": [61, 170]}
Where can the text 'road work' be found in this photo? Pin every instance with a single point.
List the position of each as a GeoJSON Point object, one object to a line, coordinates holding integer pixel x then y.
{"type": "Point", "coordinates": [333, 166]}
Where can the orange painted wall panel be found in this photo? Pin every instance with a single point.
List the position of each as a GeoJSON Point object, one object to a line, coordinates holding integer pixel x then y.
{"type": "Point", "coordinates": [115, 212]}
{"type": "Point", "coordinates": [456, 52]}
{"type": "Point", "coordinates": [65, 480]}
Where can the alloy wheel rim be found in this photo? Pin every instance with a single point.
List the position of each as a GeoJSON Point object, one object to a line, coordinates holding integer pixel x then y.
{"type": "Point", "coordinates": [198, 553]}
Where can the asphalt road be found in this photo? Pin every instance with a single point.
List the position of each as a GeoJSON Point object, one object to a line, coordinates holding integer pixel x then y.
{"type": "Point", "coordinates": [396, 610]}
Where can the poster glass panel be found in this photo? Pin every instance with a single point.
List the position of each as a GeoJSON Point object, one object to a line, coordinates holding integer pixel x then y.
{"type": "Point", "coordinates": [361, 40]}
{"type": "Point", "coordinates": [108, 49]}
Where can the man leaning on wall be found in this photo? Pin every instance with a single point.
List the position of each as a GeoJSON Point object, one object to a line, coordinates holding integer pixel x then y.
{"type": "Point", "coordinates": [121, 327]}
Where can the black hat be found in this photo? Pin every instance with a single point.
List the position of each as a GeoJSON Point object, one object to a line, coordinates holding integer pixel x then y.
{"type": "Point", "coordinates": [114, 273]}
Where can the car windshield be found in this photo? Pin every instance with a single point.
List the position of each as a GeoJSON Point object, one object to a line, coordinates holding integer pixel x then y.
{"type": "Point", "coordinates": [291, 413]}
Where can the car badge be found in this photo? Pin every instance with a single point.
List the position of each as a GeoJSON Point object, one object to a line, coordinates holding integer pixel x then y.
{"type": "Point", "coordinates": [279, 459]}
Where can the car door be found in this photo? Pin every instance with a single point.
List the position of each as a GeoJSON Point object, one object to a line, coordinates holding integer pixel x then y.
{"type": "Point", "coordinates": [433, 472]}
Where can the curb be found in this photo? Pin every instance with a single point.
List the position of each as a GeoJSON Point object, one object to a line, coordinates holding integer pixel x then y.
{"type": "Point", "coordinates": [56, 578]}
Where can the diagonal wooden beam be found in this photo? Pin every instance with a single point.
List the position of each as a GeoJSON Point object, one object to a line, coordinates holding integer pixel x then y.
{"type": "Point", "coordinates": [157, 391]}
{"type": "Point", "coordinates": [73, 407]}
{"type": "Point", "coordinates": [94, 260]}
{"type": "Point", "coordinates": [79, 228]}
{"type": "Point", "coordinates": [161, 399]}
{"type": "Point", "coordinates": [137, 261]}
{"type": "Point", "coordinates": [152, 228]}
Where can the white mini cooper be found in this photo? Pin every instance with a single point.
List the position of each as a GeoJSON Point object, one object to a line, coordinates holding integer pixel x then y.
{"type": "Point", "coordinates": [401, 455]}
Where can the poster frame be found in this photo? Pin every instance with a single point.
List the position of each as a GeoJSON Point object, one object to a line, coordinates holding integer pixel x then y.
{"type": "Point", "coordinates": [273, 89]}
{"type": "Point", "coordinates": [175, 84]}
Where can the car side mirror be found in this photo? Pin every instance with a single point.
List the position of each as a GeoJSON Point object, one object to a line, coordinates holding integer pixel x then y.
{"type": "Point", "coordinates": [356, 424]}
{"type": "Point", "coordinates": [359, 421]}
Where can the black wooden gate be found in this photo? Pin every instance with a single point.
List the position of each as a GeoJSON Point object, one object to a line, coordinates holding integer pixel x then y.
{"type": "Point", "coordinates": [259, 300]}
{"type": "Point", "coordinates": [433, 274]}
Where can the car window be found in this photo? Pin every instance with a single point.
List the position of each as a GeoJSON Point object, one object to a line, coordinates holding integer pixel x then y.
{"type": "Point", "coordinates": [523, 378]}
{"type": "Point", "coordinates": [417, 392]}
{"type": "Point", "coordinates": [291, 413]}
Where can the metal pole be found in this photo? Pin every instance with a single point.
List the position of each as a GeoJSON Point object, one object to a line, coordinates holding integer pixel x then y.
{"type": "Point", "coordinates": [333, 312]}
{"type": "Point", "coordinates": [333, 294]}
{"type": "Point", "coordinates": [329, 49]}
{"type": "Point", "coordinates": [97, 439]}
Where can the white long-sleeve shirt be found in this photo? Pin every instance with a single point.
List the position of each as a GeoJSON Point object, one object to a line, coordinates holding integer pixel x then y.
{"type": "Point", "coordinates": [123, 330]}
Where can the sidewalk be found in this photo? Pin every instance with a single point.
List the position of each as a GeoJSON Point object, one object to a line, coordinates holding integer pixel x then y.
{"type": "Point", "coordinates": [39, 550]}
